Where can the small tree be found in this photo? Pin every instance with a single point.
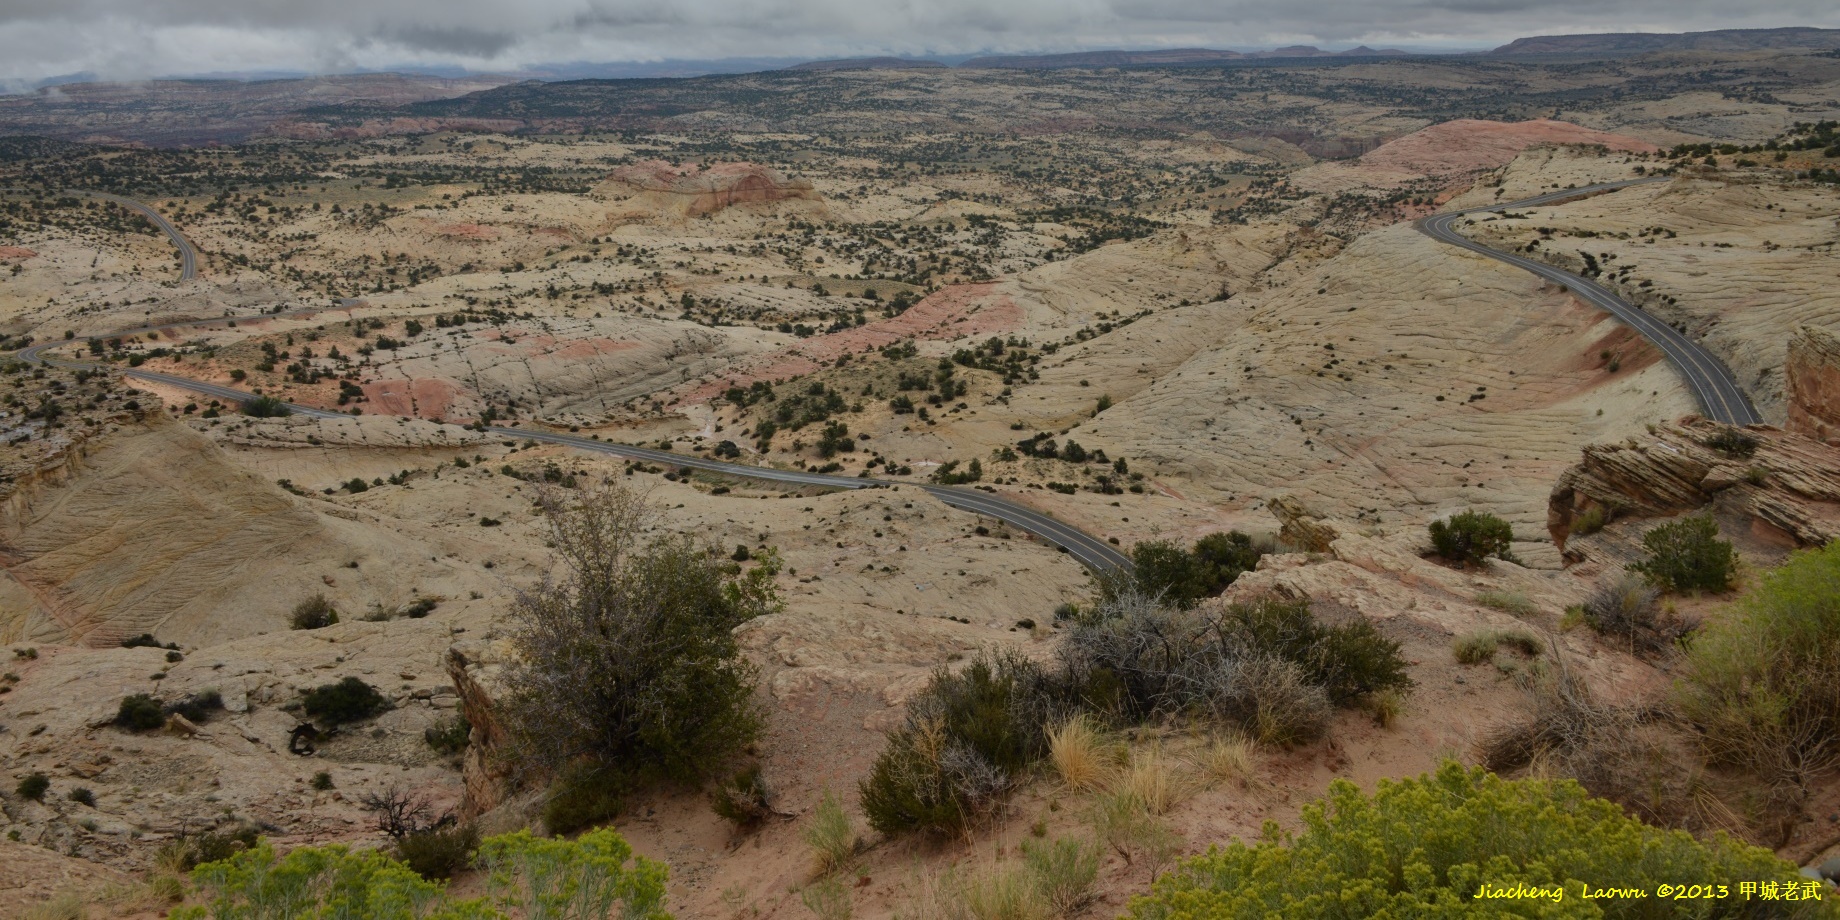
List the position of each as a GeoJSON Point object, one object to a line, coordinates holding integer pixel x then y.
{"type": "Point", "coordinates": [349, 700]}
{"type": "Point", "coordinates": [1687, 555]}
{"type": "Point", "coordinates": [1472, 537]}
{"type": "Point", "coordinates": [627, 660]}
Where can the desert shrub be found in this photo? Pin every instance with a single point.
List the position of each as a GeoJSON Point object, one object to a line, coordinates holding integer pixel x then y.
{"type": "Point", "coordinates": [828, 899]}
{"type": "Point", "coordinates": [321, 781]}
{"type": "Point", "coordinates": [1348, 660]}
{"type": "Point", "coordinates": [628, 657]}
{"type": "Point", "coordinates": [966, 738]}
{"type": "Point", "coordinates": [449, 736]}
{"type": "Point", "coordinates": [33, 786]}
{"type": "Point", "coordinates": [1000, 892]}
{"type": "Point", "coordinates": [594, 876]}
{"type": "Point", "coordinates": [830, 836]}
{"type": "Point", "coordinates": [82, 796]}
{"type": "Point", "coordinates": [1267, 666]}
{"type": "Point", "coordinates": [313, 613]}
{"type": "Point", "coordinates": [146, 640]}
{"type": "Point", "coordinates": [348, 700]}
{"type": "Point", "coordinates": [1183, 577]}
{"type": "Point", "coordinates": [1123, 823]}
{"type": "Point", "coordinates": [438, 852]}
{"type": "Point", "coordinates": [198, 707]}
{"type": "Point", "coordinates": [140, 713]}
{"type": "Point", "coordinates": [745, 799]}
{"type": "Point", "coordinates": [191, 849]}
{"type": "Point", "coordinates": [1735, 442]}
{"type": "Point", "coordinates": [1063, 872]}
{"type": "Point", "coordinates": [1764, 682]}
{"type": "Point", "coordinates": [1471, 537]}
{"type": "Point", "coordinates": [265, 407]}
{"type": "Point", "coordinates": [1687, 555]}
{"type": "Point", "coordinates": [1422, 847]}
{"type": "Point", "coordinates": [1628, 609]}
{"type": "Point", "coordinates": [584, 794]}
{"type": "Point", "coordinates": [1627, 755]}
{"type": "Point", "coordinates": [1590, 521]}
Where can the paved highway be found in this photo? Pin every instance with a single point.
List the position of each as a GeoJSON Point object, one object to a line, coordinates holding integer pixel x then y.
{"type": "Point", "coordinates": [188, 256]}
{"type": "Point", "coordinates": [1718, 392]}
{"type": "Point", "coordinates": [1096, 554]}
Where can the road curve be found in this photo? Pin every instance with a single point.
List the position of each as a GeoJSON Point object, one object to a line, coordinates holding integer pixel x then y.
{"type": "Point", "coordinates": [1719, 395]}
{"type": "Point", "coordinates": [188, 256]}
{"type": "Point", "coordinates": [1097, 555]}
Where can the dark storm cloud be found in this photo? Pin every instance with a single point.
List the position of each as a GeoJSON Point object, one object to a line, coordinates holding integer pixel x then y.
{"type": "Point", "coordinates": [141, 38]}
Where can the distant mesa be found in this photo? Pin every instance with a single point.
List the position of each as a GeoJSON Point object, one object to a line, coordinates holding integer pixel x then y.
{"type": "Point", "coordinates": [654, 187]}
{"type": "Point", "coordinates": [1160, 58]}
{"type": "Point", "coordinates": [868, 63]}
{"type": "Point", "coordinates": [1619, 43]}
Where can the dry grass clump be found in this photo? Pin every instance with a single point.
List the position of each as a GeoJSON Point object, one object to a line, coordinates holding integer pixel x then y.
{"type": "Point", "coordinates": [1152, 779]}
{"type": "Point", "coordinates": [1480, 646]}
{"type": "Point", "coordinates": [1082, 754]}
{"type": "Point", "coordinates": [1228, 759]}
{"type": "Point", "coordinates": [1512, 602]}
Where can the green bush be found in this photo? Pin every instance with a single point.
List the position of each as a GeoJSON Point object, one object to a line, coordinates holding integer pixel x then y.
{"type": "Point", "coordinates": [1349, 660]}
{"type": "Point", "coordinates": [583, 795]}
{"type": "Point", "coordinates": [628, 657]}
{"type": "Point", "coordinates": [1764, 682]}
{"type": "Point", "coordinates": [449, 736]}
{"type": "Point", "coordinates": [199, 707]}
{"type": "Point", "coordinates": [1424, 847]}
{"type": "Point", "coordinates": [33, 786]}
{"type": "Point", "coordinates": [140, 713]}
{"type": "Point", "coordinates": [966, 738]}
{"type": "Point", "coordinates": [266, 407]}
{"type": "Point", "coordinates": [1472, 537]}
{"type": "Point", "coordinates": [594, 876]}
{"type": "Point", "coordinates": [1687, 555]}
{"type": "Point", "coordinates": [1183, 577]}
{"type": "Point", "coordinates": [438, 852]}
{"type": "Point", "coordinates": [349, 700]}
{"type": "Point", "coordinates": [313, 613]}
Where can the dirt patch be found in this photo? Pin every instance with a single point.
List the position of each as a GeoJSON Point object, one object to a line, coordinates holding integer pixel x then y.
{"type": "Point", "coordinates": [19, 253]}
{"type": "Point", "coordinates": [416, 397]}
{"type": "Point", "coordinates": [466, 231]}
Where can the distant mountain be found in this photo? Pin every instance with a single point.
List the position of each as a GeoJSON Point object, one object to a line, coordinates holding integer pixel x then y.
{"type": "Point", "coordinates": [867, 63]}
{"type": "Point", "coordinates": [1088, 60]}
{"type": "Point", "coordinates": [1620, 43]}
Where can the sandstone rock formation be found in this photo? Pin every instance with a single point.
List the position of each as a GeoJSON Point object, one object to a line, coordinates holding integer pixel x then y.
{"type": "Point", "coordinates": [1784, 483]}
{"type": "Point", "coordinates": [654, 186]}
{"type": "Point", "coordinates": [1814, 383]}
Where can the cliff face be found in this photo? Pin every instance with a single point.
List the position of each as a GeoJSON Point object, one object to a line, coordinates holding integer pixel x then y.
{"type": "Point", "coordinates": [1783, 482]}
{"type": "Point", "coordinates": [1814, 384]}
{"type": "Point", "coordinates": [693, 191]}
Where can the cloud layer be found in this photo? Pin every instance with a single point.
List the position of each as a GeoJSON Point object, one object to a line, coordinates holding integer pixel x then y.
{"type": "Point", "coordinates": [132, 39]}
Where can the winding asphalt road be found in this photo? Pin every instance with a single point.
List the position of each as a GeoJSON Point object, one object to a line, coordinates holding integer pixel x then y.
{"type": "Point", "coordinates": [1713, 385]}
{"type": "Point", "coordinates": [188, 256]}
{"type": "Point", "coordinates": [1096, 554]}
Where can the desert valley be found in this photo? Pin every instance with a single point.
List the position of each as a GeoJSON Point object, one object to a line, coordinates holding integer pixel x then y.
{"type": "Point", "coordinates": [1077, 463]}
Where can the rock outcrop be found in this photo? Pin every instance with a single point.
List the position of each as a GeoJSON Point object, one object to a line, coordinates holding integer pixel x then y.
{"type": "Point", "coordinates": [485, 776]}
{"type": "Point", "coordinates": [1782, 482]}
{"type": "Point", "coordinates": [654, 186]}
{"type": "Point", "coordinates": [1814, 383]}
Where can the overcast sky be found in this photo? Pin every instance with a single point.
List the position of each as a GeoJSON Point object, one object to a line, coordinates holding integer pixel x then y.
{"type": "Point", "coordinates": [131, 39]}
